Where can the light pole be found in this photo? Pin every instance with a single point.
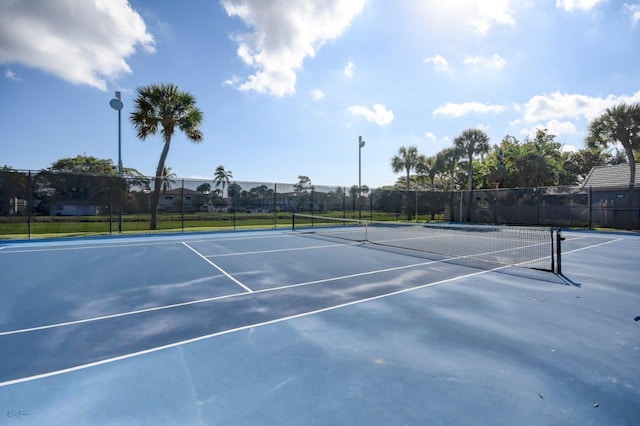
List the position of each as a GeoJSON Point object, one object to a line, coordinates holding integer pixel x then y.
{"type": "Point", "coordinates": [360, 145]}
{"type": "Point", "coordinates": [116, 103]}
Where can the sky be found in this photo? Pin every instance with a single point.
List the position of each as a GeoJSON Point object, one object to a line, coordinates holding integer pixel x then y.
{"type": "Point", "coordinates": [288, 86]}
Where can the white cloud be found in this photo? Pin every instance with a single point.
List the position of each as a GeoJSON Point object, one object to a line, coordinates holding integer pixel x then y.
{"type": "Point", "coordinates": [233, 81]}
{"type": "Point", "coordinates": [554, 127]}
{"type": "Point", "coordinates": [283, 34]}
{"type": "Point", "coordinates": [571, 106]}
{"type": "Point", "coordinates": [459, 110]}
{"type": "Point", "coordinates": [84, 42]}
{"type": "Point", "coordinates": [11, 75]}
{"type": "Point", "coordinates": [440, 63]}
{"type": "Point", "coordinates": [568, 148]}
{"type": "Point", "coordinates": [317, 94]}
{"type": "Point", "coordinates": [571, 5]}
{"type": "Point", "coordinates": [430, 136]}
{"type": "Point", "coordinates": [379, 114]}
{"type": "Point", "coordinates": [349, 69]}
{"type": "Point", "coordinates": [486, 14]}
{"type": "Point", "coordinates": [634, 11]}
{"type": "Point", "coordinates": [492, 63]}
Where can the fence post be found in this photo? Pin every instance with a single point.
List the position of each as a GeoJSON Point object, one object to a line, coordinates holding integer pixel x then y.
{"type": "Point", "coordinates": [496, 220]}
{"type": "Point", "coordinates": [344, 203]}
{"type": "Point", "coordinates": [590, 200]}
{"type": "Point", "coordinates": [182, 205]}
{"type": "Point", "coordinates": [110, 206]}
{"type": "Point", "coordinates": [30, 207]}
{"type": "Point", "coordinates": [371, 205]}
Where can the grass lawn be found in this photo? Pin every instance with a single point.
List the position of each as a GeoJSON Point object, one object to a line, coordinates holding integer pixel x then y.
{"type": "Point", "coordinates": [17, 227]}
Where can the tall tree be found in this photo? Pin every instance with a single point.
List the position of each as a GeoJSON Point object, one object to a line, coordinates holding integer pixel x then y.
{"type": "Point", "coordinates": [448, 160]}
{"type": "Point", "coordinates": [618, 124]}
{"type": "Point", "coordinates": [84, 164]}
{"type": "Point", "coordinates": [469, 143]}
{"type": "Point", "coordinates": [304, 183]}
{"type": "Point", "coordinates": [519, 159]}
{"type": "Point", "coordinates": [495, 168]}
{"type": "Point", "coordinates": [164, 108]}
{"type": "Point", "coordinates": [168, 179]}
{"type": "Point", "coordinates": [427, 167]}
{"type": "Point", "coordinates": [547, 159]}
{"type": "Point", "coordinates": [406, 160]}
{"type": "Point", "coordinates": [222, 177]}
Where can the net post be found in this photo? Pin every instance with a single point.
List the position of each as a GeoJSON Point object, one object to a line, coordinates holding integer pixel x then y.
{"type": "Point", "coordinates": [553, 251]}
{"type": "Point", "coordinates": [559, 239]}
{"type": "Point", "coordinates": [293, 221]}
{"type": "Point", "coordinates": [366, 232]}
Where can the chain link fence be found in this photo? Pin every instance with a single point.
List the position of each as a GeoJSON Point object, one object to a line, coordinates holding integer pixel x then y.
{"type": "Point", "coordinates": [42, 204]}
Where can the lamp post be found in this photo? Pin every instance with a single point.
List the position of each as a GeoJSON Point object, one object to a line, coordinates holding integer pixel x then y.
{"type": "Point", "coordinates": [360, 145]}
{"type": "Point", "coordinates": [116, 103]}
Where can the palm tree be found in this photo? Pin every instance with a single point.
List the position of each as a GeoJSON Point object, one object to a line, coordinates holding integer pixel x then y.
{"type": "Point", "coordinates": [548, 156]}
{"type": "Point", "coordinates": [164, 108]}
{"type": "Point", "coordinates": [496, 168]}
{"type": "Point", "coordinates": [447, 160]}
{"type": "Point", "coordinates": [406, 160]}
{"type": "Point", "coordinates": [618, 124]}
{"type": "Point", "coordinates": [471, 142]}
{"type": "Point", "coordinates": [167, 179]}
{"type": "Point", "coordinates": [222, 178]}
{"type": "Point", "coordinates": [519, 159]}
{"type": "Point", "coordinates": [425, 170]}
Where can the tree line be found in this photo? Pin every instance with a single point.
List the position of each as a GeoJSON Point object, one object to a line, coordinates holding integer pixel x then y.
{"type": "Point", "coordinates": [473, 163]}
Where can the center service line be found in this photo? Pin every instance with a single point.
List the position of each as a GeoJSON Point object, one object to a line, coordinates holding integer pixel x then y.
{"type": "Point", "coordinates": [217, 267]}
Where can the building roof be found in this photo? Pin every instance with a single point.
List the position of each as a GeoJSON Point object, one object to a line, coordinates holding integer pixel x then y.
{"type": "Point", "coordinates": [187, 191]}
{"type": "Point", "coordinates": [617, 175]}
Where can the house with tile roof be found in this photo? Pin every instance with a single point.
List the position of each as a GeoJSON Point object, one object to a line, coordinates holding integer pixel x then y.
{"type": "Point", "coordinates": [608, 176]}
{"type": "Point", "coordinates": [613, 203]}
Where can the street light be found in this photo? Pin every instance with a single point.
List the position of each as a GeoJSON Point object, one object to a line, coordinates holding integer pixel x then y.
{"type": "Point", "coordinates": [360, 145]}
{"type": "Point", "coordinates": [116, 103]}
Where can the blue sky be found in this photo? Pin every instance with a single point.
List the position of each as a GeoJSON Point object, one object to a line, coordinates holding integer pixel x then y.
{"type": "Point", "coordinates": [287, 86]}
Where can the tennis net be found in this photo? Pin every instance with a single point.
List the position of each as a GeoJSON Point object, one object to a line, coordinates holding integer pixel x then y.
{"type": "Point", "coordinates": [474, 245]}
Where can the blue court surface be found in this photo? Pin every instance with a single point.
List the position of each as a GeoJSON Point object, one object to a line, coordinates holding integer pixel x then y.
{"type": "Point", "coordinates": [273, 327]}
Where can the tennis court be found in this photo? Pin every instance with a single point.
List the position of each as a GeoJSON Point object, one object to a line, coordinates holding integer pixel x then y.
{"type": "Point", "coordinates": [281, 327]}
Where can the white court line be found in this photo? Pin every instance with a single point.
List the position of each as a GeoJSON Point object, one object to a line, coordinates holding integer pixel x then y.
{"type": "Point", "coordinates": [281, 250]}
{"type": "Point", "coordinates": [252, 237]}
{"type": "Point", "coordinates": [593, 246]}
{"type": "Point", "coordinates": [88, 247]}
{"type": "Point", "coordinates": [246, 327]}
{"type": "Point", "coordinates": [217, 267]}
{"type": "Point", "coordinates": [79, 245]}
